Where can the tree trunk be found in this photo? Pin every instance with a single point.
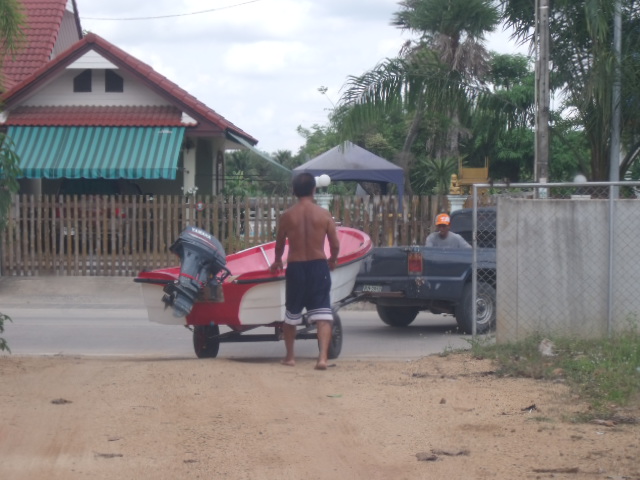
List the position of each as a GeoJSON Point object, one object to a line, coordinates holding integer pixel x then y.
{"type": "Point", "coordinates": [405, 158]}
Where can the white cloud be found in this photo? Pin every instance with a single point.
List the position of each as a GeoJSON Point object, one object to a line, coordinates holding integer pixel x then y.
{"type": "Point", "coordinates": [264, 58]}
{"type": "Point", "coordinates": [259, 64]}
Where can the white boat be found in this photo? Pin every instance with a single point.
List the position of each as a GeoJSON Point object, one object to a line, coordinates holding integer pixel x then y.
{"type": "Point", "coordinates": [251, 294]}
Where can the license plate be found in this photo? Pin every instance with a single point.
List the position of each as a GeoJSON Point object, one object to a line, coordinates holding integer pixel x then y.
{"type": "Point", "coordinates": [372, 288]}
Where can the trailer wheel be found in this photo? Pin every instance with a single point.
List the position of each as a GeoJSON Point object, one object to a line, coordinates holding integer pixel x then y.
{"type": "Point", "coordinates": [485, 313]}
{"type": "Point", "coordinates": [204, 344]}
{"type": "Point", "coordinates": [397, 316]}
{"type": "Point", "coordinates": [335, 346]}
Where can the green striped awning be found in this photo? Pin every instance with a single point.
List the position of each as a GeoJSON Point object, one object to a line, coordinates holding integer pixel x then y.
{"type": "Point", "coordinates": [97, 152]}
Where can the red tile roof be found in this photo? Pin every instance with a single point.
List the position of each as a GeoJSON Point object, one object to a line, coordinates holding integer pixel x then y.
{"type": "Point", "coordinates": [42, 24]}
{"type": "Point", "coordinates": [208, 120]}
{"type": "Point", "coordinates": [96, 116]}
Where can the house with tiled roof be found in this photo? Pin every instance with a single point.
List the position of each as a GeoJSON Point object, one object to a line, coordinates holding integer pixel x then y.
{"type": "Point", "coordinates": [79, 107]}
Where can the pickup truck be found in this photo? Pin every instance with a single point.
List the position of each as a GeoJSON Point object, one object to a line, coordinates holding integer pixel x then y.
{"type": "Point", "coordinates": [402, 281]}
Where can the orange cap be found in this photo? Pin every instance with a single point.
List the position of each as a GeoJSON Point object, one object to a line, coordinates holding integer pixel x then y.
{"type": "Point", "coordinates": [443, 219]}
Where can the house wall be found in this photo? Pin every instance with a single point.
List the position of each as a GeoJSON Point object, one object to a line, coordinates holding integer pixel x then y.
{"type": "Point", "coordinates": [31, 186]}
{"type": "Point", "coordinates": [210, 172]}
{"type": "Point", "coordinates": [46, 186]}
{"type": "Point", "coordinates": [91, 59]}
{"type": "Point", "coordinates": [60, 92]}
{"type": "Point", "coordinates": [189, 169]}
{"type": "Point", "coordinates": [161, 186]}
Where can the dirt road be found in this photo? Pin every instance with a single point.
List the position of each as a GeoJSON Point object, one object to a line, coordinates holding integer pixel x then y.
{"type": "Point", "coordinates": [447, 417]}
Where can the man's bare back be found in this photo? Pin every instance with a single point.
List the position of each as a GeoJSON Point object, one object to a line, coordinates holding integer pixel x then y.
{"type": "Point", "coordinates": [306, 225]}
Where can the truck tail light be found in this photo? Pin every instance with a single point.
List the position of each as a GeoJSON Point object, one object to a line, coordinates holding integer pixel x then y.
{"type": "Point", "coordinates": [415, 263]}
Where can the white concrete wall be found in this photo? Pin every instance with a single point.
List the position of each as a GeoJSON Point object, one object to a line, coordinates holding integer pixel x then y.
{"type": "Point", "coordinates": [553, 266]}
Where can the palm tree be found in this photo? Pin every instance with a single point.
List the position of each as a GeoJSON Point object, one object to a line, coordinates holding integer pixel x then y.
{"type": "Point", "coordinates": [583, 68]}
{"type": "Point", "coordinates": [503, 121]}
{"type": "Point", "coordinates": [433, 175]}
{"type": "Point", "coordinates": [439, 72]}
{"type": "Point", "coordinates": [11, 36]}
{"type": "Point", "coordinates": [11, 33]}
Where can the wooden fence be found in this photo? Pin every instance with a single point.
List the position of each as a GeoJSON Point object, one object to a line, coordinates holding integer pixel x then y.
{"type": "Point", "coordinates": [123, 235]}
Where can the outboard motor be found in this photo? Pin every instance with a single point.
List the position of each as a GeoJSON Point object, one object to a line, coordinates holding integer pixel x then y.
{"type": "Point", "coordinates": [202, 263]}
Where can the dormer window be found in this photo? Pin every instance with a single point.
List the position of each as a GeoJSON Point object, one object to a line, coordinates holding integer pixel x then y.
{"type": "Point", "coordinates": [113, 82]}
{"type": "Point", "coordinates": [82, 82]}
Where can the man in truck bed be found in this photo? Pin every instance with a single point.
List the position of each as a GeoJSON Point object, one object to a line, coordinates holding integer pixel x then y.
{"type": "Point", "coordinates": [442, 237]}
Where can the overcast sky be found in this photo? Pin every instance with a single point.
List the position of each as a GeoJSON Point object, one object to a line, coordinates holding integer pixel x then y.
{"type": "Point", "coordinates": [258, 63]}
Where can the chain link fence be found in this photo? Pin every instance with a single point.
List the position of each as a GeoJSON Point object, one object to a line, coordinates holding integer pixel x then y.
{"type": "Point", "coordinates": [567, 258]}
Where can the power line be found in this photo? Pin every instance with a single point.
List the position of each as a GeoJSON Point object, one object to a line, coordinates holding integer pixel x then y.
{"type": "Point", "coordinates": [173, 15]}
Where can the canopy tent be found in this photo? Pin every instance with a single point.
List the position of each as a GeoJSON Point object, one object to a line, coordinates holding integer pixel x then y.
{"type": "Point", "coordinates": [349, 162]}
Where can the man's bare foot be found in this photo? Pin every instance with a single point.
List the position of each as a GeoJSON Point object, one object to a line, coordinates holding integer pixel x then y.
{"type": "Point", "coordinates": [288, 363]}
{"type": "Point", "coordinates": [321, 366]}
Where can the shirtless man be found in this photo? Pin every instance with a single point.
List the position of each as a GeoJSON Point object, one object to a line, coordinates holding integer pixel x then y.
{"type": "Point", "coordinates": [308, 280]}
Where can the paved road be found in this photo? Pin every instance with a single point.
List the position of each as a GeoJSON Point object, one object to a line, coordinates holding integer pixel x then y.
{"type": "Point", "coordinates": [106, 317]}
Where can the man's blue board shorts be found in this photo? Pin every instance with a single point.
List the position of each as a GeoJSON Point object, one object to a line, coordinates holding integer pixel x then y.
{"type": "Point", "coordinates": [308, 285]}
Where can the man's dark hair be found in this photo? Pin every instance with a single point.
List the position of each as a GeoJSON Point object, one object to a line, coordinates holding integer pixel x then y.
{"type": "Point", "coordinates": [303, 184]}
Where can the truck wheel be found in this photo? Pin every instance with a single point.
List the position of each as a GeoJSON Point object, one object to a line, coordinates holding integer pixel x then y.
{"type": "Point", "coordinates": [486, 309]}
{"type": "Point", "coordinates": [397, 316]}
{"type": "Point", "coordinates": [335, 346]}
{"type": "Point", "coordinates": [203, 343]}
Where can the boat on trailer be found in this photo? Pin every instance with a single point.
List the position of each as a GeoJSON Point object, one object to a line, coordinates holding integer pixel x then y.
{"type": "Point", "coordinates": [210, 289]}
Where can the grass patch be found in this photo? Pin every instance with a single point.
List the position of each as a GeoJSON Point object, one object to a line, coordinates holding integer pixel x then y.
{"type": "Point", "coordinates": [603, 372]}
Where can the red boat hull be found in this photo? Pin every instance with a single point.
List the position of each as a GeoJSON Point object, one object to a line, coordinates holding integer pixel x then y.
{"type": "Point", "coordinates": [252, 295]}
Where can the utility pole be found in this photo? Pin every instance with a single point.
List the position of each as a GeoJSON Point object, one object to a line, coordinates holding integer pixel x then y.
{"type": "Point", "coordinates": [614, 153]}
{"type": "Point", "coordinates": [541, 170]}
